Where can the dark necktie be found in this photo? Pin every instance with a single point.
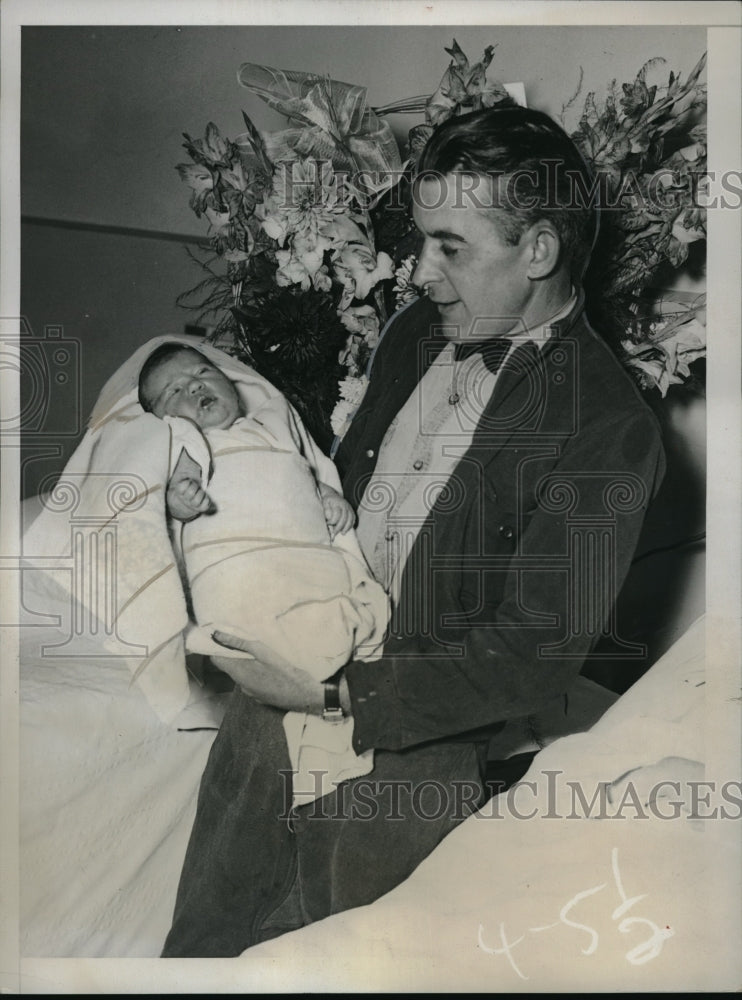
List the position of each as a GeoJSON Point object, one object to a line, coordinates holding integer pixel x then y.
{"type": "Point", "coordinates": [493, 351]}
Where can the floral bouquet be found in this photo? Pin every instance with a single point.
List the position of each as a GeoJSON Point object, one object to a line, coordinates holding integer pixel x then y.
{"type": "Point", "coordinates": [292, 237]}
{"type": "Point", "coordinates": [649, 157]}
{"type": "Point", "coordinates": [312, 243]}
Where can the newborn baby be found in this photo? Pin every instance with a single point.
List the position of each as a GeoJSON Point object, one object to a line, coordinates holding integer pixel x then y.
{"type": "Point", "coordinates": [263, 555]}
{"type": "Point", "coordinates": [179, 381]}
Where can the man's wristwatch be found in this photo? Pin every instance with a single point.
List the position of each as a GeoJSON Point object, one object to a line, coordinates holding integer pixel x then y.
{"type": "Point", "coordinates": [333, 710]}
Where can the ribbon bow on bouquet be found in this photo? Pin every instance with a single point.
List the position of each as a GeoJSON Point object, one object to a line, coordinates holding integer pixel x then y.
{"type": "Point", "coordinates": [332, 122]}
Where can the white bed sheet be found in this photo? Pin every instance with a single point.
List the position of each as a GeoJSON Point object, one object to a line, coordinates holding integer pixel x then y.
{"type": "Point", "coordinates": [503, 904]}
{"type": "Point", "coordinates": [555, 904]}
{"type": "Point", "coordinates": [108, 795]}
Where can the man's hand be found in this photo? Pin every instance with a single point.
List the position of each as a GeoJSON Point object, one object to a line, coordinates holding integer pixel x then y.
{"type": "Point", "coordinates": [339, 514]}
{"type": "Point", "coordinates": [186, 498]}
{"type": "Point", "coordinates": [272, 680]}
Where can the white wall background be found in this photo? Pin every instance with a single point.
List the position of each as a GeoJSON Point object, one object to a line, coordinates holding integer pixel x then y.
{"type": "Point", "coordinates": [103, 108]}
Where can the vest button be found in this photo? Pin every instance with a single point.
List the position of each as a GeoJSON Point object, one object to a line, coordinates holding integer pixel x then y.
{"type": "Point", "coordinates": [370, 453]}
{"type": "Point", "coordinates": [506, 531]}
{"type": "Point", "coordinates": [417, 465]}
{"type": "Point", "coordinates": [454, 398]}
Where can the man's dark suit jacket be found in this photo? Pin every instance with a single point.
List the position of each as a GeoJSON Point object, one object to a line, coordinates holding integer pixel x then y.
{"type": "Point", "coordinates": [514, 573]}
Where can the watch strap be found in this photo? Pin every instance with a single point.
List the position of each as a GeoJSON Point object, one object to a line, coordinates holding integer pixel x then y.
{"type": "Point", "coordinates": [333, 711]}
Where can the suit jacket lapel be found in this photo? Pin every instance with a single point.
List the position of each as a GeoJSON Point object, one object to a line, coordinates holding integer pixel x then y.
{"type": "Point", "coordinates": [517, 403]}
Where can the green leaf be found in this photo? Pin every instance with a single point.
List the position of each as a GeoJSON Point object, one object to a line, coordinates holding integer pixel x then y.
{"type": "Point", "coordinates": [255, 142]}
{"type": "Point", "coordinates": [696, 72]}
{"type": "Point", "coordinates": [649, 64]}
{"type": "Point", "coordinates": [458, 56]}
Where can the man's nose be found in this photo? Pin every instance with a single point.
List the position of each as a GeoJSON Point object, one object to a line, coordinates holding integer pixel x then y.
{"type": "Point", "coordinates": [195, 385]}
{"type": "Point", "coordinates": [425, 273]}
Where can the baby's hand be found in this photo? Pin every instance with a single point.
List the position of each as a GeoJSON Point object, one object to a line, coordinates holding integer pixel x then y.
{"type": "Point", "coordinates": [186, 499]}
{"type": "Point", "coordinates": [339, 514]}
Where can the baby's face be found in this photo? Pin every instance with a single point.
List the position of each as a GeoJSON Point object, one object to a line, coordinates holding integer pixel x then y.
{"type": "Point", "coordinates": [187, 385]}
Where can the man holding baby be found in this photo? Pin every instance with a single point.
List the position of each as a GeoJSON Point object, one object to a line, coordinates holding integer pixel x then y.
{"type": "Point", "coordinates": [501, 464]}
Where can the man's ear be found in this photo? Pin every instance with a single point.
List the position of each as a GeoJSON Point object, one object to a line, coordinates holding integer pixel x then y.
{"type": "Point", "coordinates": [545, 247]}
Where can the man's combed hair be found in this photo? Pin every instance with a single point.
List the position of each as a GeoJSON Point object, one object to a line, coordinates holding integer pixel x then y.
{"type": "Point", "coordinates": [156, 359]}
{"type": "Point", "coordinates": [539, 171]}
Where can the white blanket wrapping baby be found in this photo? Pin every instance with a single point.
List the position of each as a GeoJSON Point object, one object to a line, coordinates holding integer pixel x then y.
{"type": "Point", "coordinates": [264, 566]}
